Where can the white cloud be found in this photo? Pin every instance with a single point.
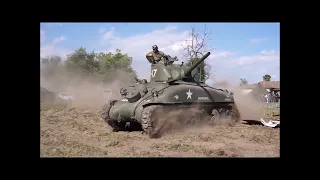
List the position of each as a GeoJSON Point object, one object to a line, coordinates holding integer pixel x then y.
{"type": "Point", "coordinates": [42, 36]}
{"type": "Point", "coordinates": [109, 35]}
{"type": "Point", "coordinates": [169, 40]}
{"type": "Point", "coordinates": [258, 40]}
{"type": "Point", "coordinates": [222, 54]}
{"type": "Point", "coordinates": [225, 64]}
{"type": "Point", "coordinates": [58, 40]}
{"type": "Point", "coordinates": [137, 46]}
{"type": "Point", "coordinates": [264, 56]}
{"type": "Point", "coordinates": [251, 67]}
{"type": "Point", "coordinates": [51, 49]}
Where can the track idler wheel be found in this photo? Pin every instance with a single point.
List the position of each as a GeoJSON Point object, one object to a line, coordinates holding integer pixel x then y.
{"type": "Point", "coordinates": [105, 116]}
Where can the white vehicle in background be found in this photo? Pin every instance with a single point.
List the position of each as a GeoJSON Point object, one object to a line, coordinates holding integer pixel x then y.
{"type": "Point", "coordinates": [65, 96]}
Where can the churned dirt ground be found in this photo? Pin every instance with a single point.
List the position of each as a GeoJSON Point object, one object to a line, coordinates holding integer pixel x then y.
{"type": "Point", "coordinates": [80, 132]}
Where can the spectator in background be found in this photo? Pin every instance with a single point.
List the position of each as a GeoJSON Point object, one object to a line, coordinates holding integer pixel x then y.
{"type": "Point", "coordinates": [278, 96]}
{"type": "Point", "coordinates": [266, 98]}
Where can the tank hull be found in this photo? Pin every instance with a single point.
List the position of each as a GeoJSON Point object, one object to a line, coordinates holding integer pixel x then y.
{"type": "Point", "coordinates": [181, 94]}
{"type": "Point", "coordinates": [122, 110]}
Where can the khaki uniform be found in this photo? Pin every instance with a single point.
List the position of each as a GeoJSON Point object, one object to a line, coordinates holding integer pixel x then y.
{"type": "Point", "coordinates": [156, 56]}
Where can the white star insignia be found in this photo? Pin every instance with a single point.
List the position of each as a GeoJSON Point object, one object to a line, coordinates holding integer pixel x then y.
{"type": "Point", "coordinates": [189, 93]}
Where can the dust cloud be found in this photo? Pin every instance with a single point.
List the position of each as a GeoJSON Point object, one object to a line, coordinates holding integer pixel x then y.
{"type": "Point", "coordinates": [249, 107]}
{"type": "Point", "coordinates": [90, 95]}
{"type": "Point", "coordinates": [87, 91]}
{"type": "Point", "coordinates": [76, 132]}
{"type": "Point", "coordinates": [172, 121]}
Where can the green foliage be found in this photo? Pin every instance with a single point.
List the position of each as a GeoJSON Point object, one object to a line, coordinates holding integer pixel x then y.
{"type": "Point", "coordinates": [82, 61]}
{"type": "Point", "coordinates": [112, 65]}
{"type": "Point", "coordinates": [266, 77]}
{"type": "Point", "coordinates": [243, 81]}
{"type": "Point", "coordinates": [102, 67]}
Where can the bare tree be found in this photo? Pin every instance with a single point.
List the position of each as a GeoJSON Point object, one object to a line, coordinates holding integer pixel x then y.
{"type": "Point", "coordinates": [195, 47]}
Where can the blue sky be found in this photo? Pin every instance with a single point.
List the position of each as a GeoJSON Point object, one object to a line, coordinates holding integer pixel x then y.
{"type": "Point", "coordinates": [241, 50]}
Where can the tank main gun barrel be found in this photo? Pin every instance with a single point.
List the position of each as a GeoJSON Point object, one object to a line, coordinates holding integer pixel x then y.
{"type": "Point", "coordinates": [196, 64]}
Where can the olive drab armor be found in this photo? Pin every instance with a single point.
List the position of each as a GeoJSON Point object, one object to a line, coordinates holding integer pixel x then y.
{"type": "Point", "coordinates": [172, 87]}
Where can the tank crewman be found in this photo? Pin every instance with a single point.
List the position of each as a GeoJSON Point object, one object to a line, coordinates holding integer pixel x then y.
{"type": "Point", "coordinates": [155, 55]}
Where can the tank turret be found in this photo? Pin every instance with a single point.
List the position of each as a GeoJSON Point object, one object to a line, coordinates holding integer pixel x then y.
{"type": "Point", "coordinates": [168, 72]}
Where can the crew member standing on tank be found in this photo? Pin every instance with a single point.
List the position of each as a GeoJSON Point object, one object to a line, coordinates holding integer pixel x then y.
{"type": "Point", "coordinates": [156, 54]}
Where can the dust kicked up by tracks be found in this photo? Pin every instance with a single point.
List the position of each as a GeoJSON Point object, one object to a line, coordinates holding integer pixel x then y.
{"type": "Point", "coordinates": [78, 131]}
{"type": "Point", "coordinates": [75, 131]}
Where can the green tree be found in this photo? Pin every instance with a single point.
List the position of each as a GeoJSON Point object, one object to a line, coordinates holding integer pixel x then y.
{"type": "Point", "coordinates": [116, 66]}
{"type": "Point", "coordinates": [100, 67]}
{"type": "Point", "coordinates": [266, 77]}
{"type": "Point", "coordinates": [243, 81]}
{"type": "Point", "coordinates": [82, 61]}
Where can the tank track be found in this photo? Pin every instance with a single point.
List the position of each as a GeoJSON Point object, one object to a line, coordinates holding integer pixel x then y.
{"type": "Point", "coordinates": [147, 121]}
{"type": "Point", "coordinates": [105, 116]}
{"type": "Point", "coordinates": [230, 113]}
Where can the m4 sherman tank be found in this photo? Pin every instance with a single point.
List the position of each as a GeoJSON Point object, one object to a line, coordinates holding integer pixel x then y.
{"type": "Point", "coordinates": [172, 87]}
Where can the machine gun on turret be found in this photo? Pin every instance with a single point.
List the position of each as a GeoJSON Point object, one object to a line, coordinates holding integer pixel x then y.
{"type": "Point", "coordinates": [168, 60]}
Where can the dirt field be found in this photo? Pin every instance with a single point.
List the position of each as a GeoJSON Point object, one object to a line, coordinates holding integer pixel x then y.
{"type": "Point", "coordinates": [74, 132]}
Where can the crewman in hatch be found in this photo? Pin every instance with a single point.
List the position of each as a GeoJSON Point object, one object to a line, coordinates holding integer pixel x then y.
{"type": "Point", "coordinates": [155, 55]}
